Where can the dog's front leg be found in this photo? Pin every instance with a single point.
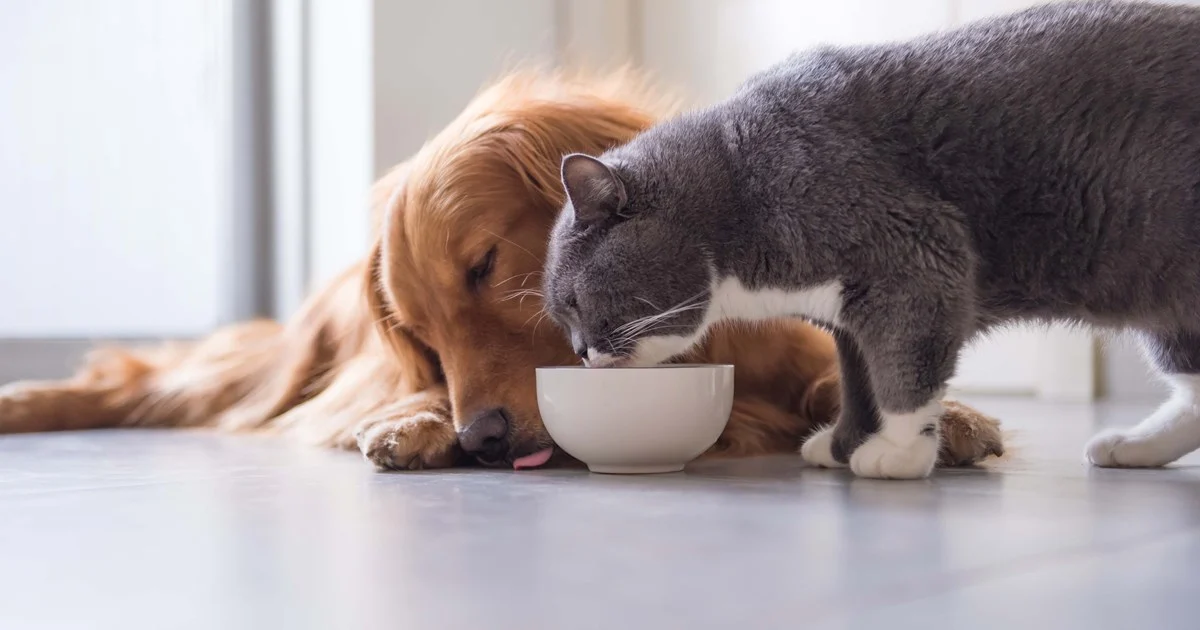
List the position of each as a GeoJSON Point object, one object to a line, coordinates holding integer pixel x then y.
{"type": "Point", "coordinates": [414, 433]}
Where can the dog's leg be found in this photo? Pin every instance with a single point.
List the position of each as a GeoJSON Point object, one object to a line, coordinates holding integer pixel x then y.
{"type": "Point", "coordinates": [968, 436]}
{"type": "Point", "coordinates": [367, 405]}
{"type": "Point", "coordinates": [110, 386]}
{"type": "Point", "coordinates": [33, 406]}
{"type": "Point", "coordinates": [412, 434]}
{"type": "Point", "coordinates": [170, 384]}
{"type": "Point", "coordinates": [757, 427]}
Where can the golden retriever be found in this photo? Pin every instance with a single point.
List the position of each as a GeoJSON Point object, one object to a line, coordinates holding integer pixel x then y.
{"type": "Point", "coordinates": [423, 354]}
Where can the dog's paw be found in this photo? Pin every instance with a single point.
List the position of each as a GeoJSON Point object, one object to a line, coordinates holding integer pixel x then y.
{"type": "Point", "coordinates": [420, 441]}
{"type": "Point", "coordinates": [882, 457]}
{"type": "Point", "coordinates": [1125, 449]}
{"type": "Point", "coordinates": [817, 450]}
{"type": "Point", "coordinates": [27, 406]}
{"type": "Point", "coordinates": [15, 398]}
{"type": "Point", "coordinates": [968, 436]}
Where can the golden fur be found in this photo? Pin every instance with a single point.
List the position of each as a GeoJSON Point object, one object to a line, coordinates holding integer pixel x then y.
{"type": "Point", "coordinates": [398, 351]}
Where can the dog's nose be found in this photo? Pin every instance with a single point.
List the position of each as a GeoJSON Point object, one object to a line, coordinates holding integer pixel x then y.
{"type": "Point", "coordinates": [486, 437]}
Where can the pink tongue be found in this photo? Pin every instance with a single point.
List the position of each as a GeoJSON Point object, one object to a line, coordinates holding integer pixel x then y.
{"type": "Point", "coordinates": [533, 461]}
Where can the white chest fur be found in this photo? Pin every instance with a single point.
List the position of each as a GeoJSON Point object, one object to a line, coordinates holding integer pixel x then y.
{"type": "Point", "coordinates": [732, 300]}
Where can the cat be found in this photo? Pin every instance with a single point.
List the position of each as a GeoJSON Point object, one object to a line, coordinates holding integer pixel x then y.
{"type": "Point", "coordinates": [1042, 166]}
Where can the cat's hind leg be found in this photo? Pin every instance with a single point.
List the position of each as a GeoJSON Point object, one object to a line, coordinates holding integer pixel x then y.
{"type": "Point", "coordinates": [1173, 430]}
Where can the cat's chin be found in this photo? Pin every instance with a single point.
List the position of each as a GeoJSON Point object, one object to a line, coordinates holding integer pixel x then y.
{"type": "Point", "coordinates": [649, 352]}
{"type": "Point", "coordinates": [658, 350]}
{"type": "Point", "coordinates": [606, 361]}
{"type": "Point", "coordinates": [611, 361]}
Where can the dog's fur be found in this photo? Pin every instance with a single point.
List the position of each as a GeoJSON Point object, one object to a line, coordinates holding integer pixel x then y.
{"type": "Point", "coordinates": [401, 349]}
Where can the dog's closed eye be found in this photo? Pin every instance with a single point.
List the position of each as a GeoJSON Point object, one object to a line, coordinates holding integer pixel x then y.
{"type": "Point", "coordinates": [481, 270]}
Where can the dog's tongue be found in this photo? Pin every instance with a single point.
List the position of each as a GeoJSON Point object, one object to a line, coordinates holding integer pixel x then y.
{"type": "Point", "coordinates": [533, 461]}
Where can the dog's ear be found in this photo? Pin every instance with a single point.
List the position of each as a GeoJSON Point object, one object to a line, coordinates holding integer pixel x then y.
{"type": "Point", "coordinates": [382, 192]}
{"type": "Point", "coordinates": [419, 364]}
{"type": "Point", "coordinates": [533, 138]}
{"type": "Point", "coordinates": [593, 189]}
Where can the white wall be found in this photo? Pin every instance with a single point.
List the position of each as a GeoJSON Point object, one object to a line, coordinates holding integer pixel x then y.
{"type": "Point", "coordinates": [421, 83]}
{"type": "Point", "coordinates": [383, 78]}
{"type": "Point", "coordinates": [708, 47]}
{"type": "Point", "coordinates": [116, 160]}
{"type": "Point", "coordinates": [386, 75]}
{"type": "Point", "coordinates": [339, 95]}
{"type": "Point", "coordinates": [112, 166]}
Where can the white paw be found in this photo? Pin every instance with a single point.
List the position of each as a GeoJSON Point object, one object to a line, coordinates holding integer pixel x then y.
{"type": "Point", "coordinates": [818, 449]}
{"type": "Point", "coordinates": [883, 458]}
{"type": "Point", "coordinates": [1124, 449]}
{"type": "Point", "coordinates": [1171, 432]}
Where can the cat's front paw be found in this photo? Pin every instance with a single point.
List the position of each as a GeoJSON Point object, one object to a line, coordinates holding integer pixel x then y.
{"type": "Point", "coordinates": [420, 441]}
{"type": "Point", "coordinates": [817, 450]}
{"type": "Point", "coordinates": [884, 457]}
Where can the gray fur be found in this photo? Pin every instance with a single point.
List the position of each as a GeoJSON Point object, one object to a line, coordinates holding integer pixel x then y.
{"type": "Point", "coordinates": [1039, 166]}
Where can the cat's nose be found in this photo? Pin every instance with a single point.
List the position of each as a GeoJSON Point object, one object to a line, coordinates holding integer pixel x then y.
{"type": "Point", "coordinates": [578, 344]}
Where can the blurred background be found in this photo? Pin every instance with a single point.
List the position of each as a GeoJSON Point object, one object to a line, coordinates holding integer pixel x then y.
{"type": "Point", "coordinates": [167, 166]}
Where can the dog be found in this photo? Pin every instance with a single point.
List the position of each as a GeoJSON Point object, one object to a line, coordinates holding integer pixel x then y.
{"type": "Point", "coordinates": [422, 355]}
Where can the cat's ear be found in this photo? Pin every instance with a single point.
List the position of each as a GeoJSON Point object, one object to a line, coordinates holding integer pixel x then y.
{"type": "Point", "coordinates": [594, 190]}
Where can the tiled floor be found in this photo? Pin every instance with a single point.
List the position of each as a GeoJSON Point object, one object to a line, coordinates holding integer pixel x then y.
{"type": "Point", "coordinates": [193, 530]}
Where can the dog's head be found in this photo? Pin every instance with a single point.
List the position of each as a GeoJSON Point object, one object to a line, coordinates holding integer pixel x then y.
{"type": "Point", "coordinates": [457, 263]}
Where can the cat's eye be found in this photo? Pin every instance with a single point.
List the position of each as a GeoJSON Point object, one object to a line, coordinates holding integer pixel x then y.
{"type": "Point", "coordinates": [482, 269]}
{"type": "Point", "coordinates": [572, 304]}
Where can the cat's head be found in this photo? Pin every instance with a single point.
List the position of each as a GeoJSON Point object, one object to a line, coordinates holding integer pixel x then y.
{"type": "Point", "coordinates": [626, 277]}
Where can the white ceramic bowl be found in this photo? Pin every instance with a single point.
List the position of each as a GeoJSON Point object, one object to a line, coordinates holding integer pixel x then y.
{"type": "Point", "coordinates": [635, 420]}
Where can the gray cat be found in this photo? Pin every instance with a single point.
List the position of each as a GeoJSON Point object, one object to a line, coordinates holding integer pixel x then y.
{"type": "Point", "coordinates": [1039, 166]}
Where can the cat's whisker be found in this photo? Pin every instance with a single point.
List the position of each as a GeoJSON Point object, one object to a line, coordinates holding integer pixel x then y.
{"type": "Point", "coordinates": [658, 329]}
{"type": "Point", "coordinates": [640, 324]}
{"type": "Point", "coordinates": [628, 335]}
{"type": "Point", "coordinates": [675, 310]}
{"type": "Point", "coordinates": [622, 343]}
{"type": "Point", "coordinates": [645, 301]}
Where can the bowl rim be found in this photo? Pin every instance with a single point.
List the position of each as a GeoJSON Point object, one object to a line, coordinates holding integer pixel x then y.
{"type": "Point", "coordinates": [661, 366]}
